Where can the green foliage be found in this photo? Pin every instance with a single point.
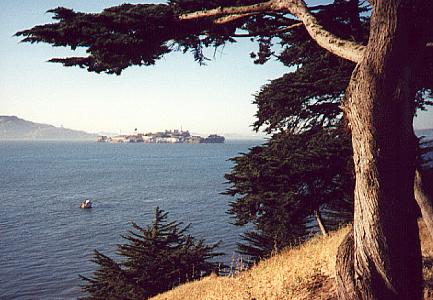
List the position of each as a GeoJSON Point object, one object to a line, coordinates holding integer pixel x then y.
{"type": "Point", "coordinates": [116, 38]}
{"type": "Point", "coordinates": [109, 281]}
{"type": "Point", "coordinates": [279, 185]}
{"type": "Point", "coordinates": [304, 99]}
{"type": "Point", "coordinates": [310, 96]}
{"type": "Point", "coordinates": [125, 35]}
{"type": "Point", "coordinates": [155, 259]}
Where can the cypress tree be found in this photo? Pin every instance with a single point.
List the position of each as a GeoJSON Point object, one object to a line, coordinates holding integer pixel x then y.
{"type": "Point", "coordinates": [155, 258]}
{"type": "Point", "coordinates": [305, 169]}
{"type": "Point", "coordinates": [279, 187]}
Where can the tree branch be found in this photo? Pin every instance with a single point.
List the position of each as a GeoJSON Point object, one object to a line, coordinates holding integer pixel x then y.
{"type": "Point", "coordinates": [231, 18]}
{"type": "Point", "coordinates": [343, 48]}
{"type": "Point", "coordinates": [233, 10]}
{"type": "Point", "coordinates": [282, 30]}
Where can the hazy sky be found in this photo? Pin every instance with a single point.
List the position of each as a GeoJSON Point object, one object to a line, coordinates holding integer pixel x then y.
{"type": "Point", "coordinates": [175, 92]}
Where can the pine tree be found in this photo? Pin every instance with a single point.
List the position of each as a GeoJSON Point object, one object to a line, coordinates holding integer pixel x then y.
{"type": "Point", "coordinates": [155, 259]}
{"type": "Point", "coordinates": [109, 281]}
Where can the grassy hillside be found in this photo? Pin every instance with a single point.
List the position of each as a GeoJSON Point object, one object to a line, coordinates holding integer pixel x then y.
{"type": "Point", "coordinates": [304, 272]}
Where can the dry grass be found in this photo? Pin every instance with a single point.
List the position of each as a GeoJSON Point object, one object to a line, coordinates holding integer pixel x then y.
{"type": "Point", "coordinates": [304, 272]}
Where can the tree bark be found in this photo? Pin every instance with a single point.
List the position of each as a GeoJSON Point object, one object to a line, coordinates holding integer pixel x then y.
{"type": "Point", "coordinates": [345, 269]}
{"type": "Point", "coordinates": [424, 202]}
{"type": "Point", "coordinates": [379, 107]}
{"type": "Point", "coordinates": [320, 223]}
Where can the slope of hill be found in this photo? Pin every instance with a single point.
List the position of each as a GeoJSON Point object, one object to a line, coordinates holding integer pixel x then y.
{"type": "Point", "coordinates": [304, 272]}
{"type": "Point", "coordinates": [14, 128]}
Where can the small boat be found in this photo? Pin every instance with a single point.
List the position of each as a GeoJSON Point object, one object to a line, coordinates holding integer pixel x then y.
{"type": "Point", "coordinates": [86, 204]}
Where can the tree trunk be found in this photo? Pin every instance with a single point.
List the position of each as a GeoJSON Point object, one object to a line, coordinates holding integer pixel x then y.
{"type": "Point", "coordinates": [345, 269]}
{"type": "Point", "coordinates": [379, 108]}
{"type": "Point", "coordinates": [424, 201]}
{"type": "Point", "coordinates": [320, 223]}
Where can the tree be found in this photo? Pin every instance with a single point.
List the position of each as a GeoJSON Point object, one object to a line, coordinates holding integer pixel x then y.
{"type": "Point", "coordinates": [155, 259]}
{"type": "Point", "coordinates": [379, 104]}
{"type": "Point", "coordinates": [305, 168]}
{"type": "Point", "coordinates": [283, 185]}
{"type": "Point", "coordinates": [274, 186]}
{"type": "Point", "coordinates": [307, 98]}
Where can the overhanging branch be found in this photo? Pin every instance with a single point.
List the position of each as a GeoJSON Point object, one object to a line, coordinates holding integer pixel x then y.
{"type": "Point", "coordinates": [343, 48]}
{"type": "Point", "coordinates": [234, 10]}
{"type": "Point", "coordinates": [231, 18]}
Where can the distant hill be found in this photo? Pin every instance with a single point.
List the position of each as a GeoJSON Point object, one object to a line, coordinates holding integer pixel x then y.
{"type": "Point", "coordinates": [14, 128]}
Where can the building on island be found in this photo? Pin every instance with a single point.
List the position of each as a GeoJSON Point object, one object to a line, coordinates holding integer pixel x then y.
{"type": "Point", "coordinates": [166, 137]}
{"type": "Point", "coordinates": [194, 139]}
{"type": "Point", "coordinates": [102, 139]}
{"type": "Point", "coordinates": [118, 139]}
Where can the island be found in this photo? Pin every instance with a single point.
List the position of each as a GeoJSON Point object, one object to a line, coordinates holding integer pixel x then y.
{"type": "Point", "coordinates": [166, 137]}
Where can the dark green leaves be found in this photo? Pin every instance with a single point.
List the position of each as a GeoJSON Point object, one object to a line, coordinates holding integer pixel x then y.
{"type": "Point", "coordinates": [115, 39]}
{"type": "Point", "coordinates": [155, 258]}
{"type": "Point", "coordinates": [126, 35]}
{"type": "Point", "coordinates": [279, 185]}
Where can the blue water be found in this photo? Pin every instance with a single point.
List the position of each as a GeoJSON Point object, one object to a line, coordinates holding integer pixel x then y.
{"type": "Point", "coordinates": [46, 241]}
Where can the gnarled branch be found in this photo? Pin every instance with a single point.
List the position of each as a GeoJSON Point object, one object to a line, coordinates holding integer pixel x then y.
{"type": "Point", "coordinates": [343, 48]}
{"type": "Point", "coordinates": [231, 18]}
{"type": "Point", "coordinates": [233, 10]}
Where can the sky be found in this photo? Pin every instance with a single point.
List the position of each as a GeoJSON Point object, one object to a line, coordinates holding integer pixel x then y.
{"type": "Point", "coordinates": [175, 93]}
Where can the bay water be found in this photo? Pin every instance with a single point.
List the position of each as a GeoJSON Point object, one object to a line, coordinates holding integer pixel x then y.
{"type": "Point", "coordinates": [46, 240]}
